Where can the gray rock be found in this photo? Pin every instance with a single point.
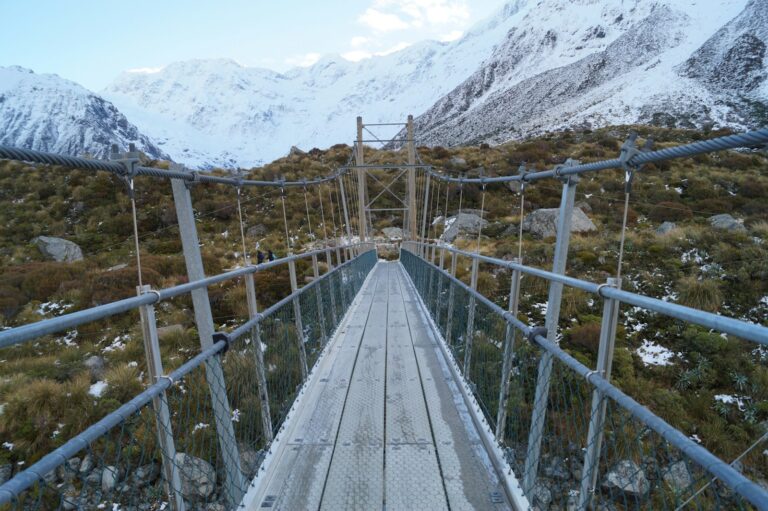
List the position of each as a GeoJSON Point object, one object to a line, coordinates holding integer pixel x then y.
{"type": "Point", "coordinates": [6, 471]}
{"type": "Point", "coordinates": [678, 477]}
{"type": "Point", "coordinates": [116, 267]}
{"type": "Point", "coordinates": [628, 478]}
{"type": "Point", "coordinates": [215, 506]}
{"type": "Point", "coordinates": [727, 223]}
{"type": "Point", "coordinates": [666, 227]}
{"type": "Point", "coordinates": [256, 230]}
{"type": "Point", "coordinates": [164, 332]}
{"type": "Point", "coordinates": [393, 233]}
{"type": "Point", "coordinates": [69, 470]}
{"type": "Point", "coordinates": [584, 206]}
{"type": "Point", "coordinates": [109, 478]}
{"type": "Point", "coordinates": [542, 496]}
{"type": "Point", "coordinates": [573, 500]}
{"type": "Point", "coordinates": [250, 460]}
{"type": "Point", "coordinates": [96, 366]}
{"type": "Point", "coordinates": [458, 162]}
{"type": "Point", "coordinates": [543, 222]}
{"type": "Point", "coordinates": [146, 474]}
{"type": "Point", "coordinates": [468, 223]}
{"type": "Point", "coordinates": [198, 477]}
{"type": "Point", "coordinates": [94, 477]}
{"type": "Point", "coordinates": [70, 498]}
{"type": "Point", "coordinates": [87, 464]}
{"type": "Point", "coordinates": [295, 151]}
{"type": "Point", "coordinates": [58, 249]}
{"type": "Point", "coordinates": [51, 477]}
{"type": "Point", "coordinates": [557, 470]}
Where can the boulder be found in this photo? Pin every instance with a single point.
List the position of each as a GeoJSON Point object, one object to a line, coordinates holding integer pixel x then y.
{"type": "Point", "coordinates": [69, 470]}
{"type": "Point", "coordinates": [146, 474]}
{"type": "Point", "coordinates": [727, 223]}
{"type": "Point", "coordinates": [94, 477]}
{"type": "Point", "coordinates": [557, 470]}
{"type": "Point", "coordinates": [393, 233]}
{"type": "Point", "coordinates": [628, 478]}
{"type": "Point", "coordinates": [250, 460]}
{"type": "Point", "coordinates": [468, 223]}
{"type": "Point", "coordinates": [542, 496]}
{"type": "Point", "coordinates": [58, 249]}
{"type": "Point", "coordinates": [96, 367]}
{"type": "Point", "coordinates": [666, 227]}
{"type": "Point", "coordinates": [295, 151]}
{"type": "Point", "coordinates": [87, 464]}
{"type": "Point", "coordinates": [543, 222]}
{"type": "Point", "coordinates": [678, 477]}
{"type": "Point", "coordinates": [198, 477]}
{"type": "Point", "coordinates": [256, 231]}
{"type": "Point", "coordinates": [6, 471]}
{"type": "Point", "coordinates": [458, 162]}
{"type": "Point", "coordinates": [164, 332]}
{"type": "Point", "coordinates": [584, 206]}
{"type": "Point", "coordinates": [109, 478]}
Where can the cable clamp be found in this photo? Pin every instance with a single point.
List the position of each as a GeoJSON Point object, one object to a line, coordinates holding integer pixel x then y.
{"type": "Point", "coordinates": [192, 182]}
{"type": "Point", "coordinates": [535, 332]}
{"type": "Point", "coordinates": [591, 373]}
{"type": "Point", "coordinates": [629, 151]}
{"type": "Point", "coordinates": [153, 292]}
{"type": "Point", "coordinates": [221, 336]}
{"type": "Point", "coordinates": [167, 377]}
{"type": "Point", "coordinates": [522, 172]}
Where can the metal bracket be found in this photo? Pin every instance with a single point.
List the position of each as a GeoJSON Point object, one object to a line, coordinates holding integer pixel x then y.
{"type": "Point", "coordinates": [221, 336]}
{"type": "Point", "coordinates": [192, 182]}
{"type": "Point", "coordinates": [535, 332]}
{"type": "Point", "coordinates": [570, 162]}
{"type": "Point", "coordinates": [128, 160]}
{"type": "Point", "coordinates": [629, 150]}
{"type": "Point", "coordinates": [522, 172]}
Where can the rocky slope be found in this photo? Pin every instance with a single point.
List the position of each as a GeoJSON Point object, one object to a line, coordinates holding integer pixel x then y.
{"type": "Point", "coordinates": [48, 113]}
{"type": "Point", "coordinates": [590, 64]}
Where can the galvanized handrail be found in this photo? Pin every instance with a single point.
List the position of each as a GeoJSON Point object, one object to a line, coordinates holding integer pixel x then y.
{"type": "Point", "coordinates": [30, 331]}
{"type": "Point", "coordinates": [36, 472]}
{"type": "Point", "coordinates": [750, 331]}
{"type": "Point", "coordinates": [718, 468]}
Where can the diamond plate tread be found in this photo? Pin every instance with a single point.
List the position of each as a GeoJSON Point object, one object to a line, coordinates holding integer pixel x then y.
{"type": "Point", "coordinates": [468, 474]}
{"type": "Point", "coordinates": [302, 468]}
{"type": "Point", "coordinates": [356, 479]}
{"type": "Point", "coordinates": [413, 478]}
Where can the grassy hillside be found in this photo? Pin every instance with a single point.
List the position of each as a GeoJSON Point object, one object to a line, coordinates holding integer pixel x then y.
{"type": "Point", "coordinates": [694, 264]}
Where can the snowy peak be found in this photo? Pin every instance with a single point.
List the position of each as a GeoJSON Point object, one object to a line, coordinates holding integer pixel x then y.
{"type": "Point", "coordinates": [48, 113]}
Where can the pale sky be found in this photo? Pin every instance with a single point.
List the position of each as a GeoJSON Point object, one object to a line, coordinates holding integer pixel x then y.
{"type": "Point", "coordinates": [92, 41]}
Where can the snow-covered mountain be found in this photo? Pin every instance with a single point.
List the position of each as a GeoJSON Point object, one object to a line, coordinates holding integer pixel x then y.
{"type": "Point", "coordinates": [589, 63]}
{"type": "Point", "coordinates": [48, 113]}
{"type": "Point", "coordinates": [534, 66]}
{"type": "Point", "coordinates": [217, 112]}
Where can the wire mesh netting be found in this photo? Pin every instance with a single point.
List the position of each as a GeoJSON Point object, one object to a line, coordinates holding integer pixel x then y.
{"type": "Point", "coordinates": [198, 443]}
{"type": "Point", "coordinates": [637, 467]}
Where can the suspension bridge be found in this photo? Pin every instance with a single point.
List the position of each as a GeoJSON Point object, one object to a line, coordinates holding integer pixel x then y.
{"type": "Point", "coordinates": [381, 384]}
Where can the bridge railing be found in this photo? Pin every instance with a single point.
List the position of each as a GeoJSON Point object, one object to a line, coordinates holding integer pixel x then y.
{"type": "Point", "coordinates": [195, 436]}
{"type": "Point", "coordinates": [569, 435]}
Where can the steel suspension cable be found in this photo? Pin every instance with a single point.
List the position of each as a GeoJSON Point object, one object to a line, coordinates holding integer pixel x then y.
{"type": "Point", "coordinates": [480, 225]}
{"type": "Point", "coordinates": [242, 228]}
{"type": "Point", "coordinates": [333, 214]}
{"type": "Point", "coordinates": [285, 222]}
{"type": "Point", "coordinates": [322, 215]}
{"type": "Point", "coordinates": [309, 221]}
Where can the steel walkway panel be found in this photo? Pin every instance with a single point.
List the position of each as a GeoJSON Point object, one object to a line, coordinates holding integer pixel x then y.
{"type": "Point", "coordinates": [381, 423]}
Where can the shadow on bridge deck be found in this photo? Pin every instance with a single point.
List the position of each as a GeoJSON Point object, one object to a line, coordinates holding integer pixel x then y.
{"type": "Point", "coordinates": [382, 422]}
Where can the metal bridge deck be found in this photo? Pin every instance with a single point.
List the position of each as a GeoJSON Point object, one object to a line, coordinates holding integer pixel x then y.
{"type": "Point", "coordinates": [382, 423]}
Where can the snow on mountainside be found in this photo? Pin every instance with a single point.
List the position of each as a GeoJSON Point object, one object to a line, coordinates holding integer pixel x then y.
{"type": "Point", "coordinates": [216, 112]}
{"type": "Point", "coordinates": [590, 63]}
{"type": "Point", "coordinates": [48, 113]}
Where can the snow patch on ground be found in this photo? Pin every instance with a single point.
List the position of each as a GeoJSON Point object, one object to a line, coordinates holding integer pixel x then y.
{"type": "Point", "coordinates": [98, 388]}
{"type": "Point", "coordinates": [731, 400]}
{"type": "Point", "coordinates": [653, 354]}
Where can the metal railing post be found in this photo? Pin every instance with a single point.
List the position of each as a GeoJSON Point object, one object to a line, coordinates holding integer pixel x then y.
{"type": "Point", "coordinates": [597, 414]}
{"type": "Point", "coordinates": [261, 375]}
{"type": "Point", "coordinates": [538, 415]}
{"type": "Point", "coordinates": [439, 290]}
{"type": "Point", "coordinates": [160, 405]}
{"type": "Point", "coordinates": [299, 324]}
{"type": "Point", "coordinates": [470, 333]}
{"type": "Point", "coordinates": [451, 296]}
{"type": "Point", "coordinates": [424, 248]}
{"type": "Point", "coordinates": [329, 262]}
{"type": "Point", "coordinates": [510, 336]}
{"type": "Point", "coordinates": [234, 481]}
{"type": "Point", "coordinates": [319, 300]}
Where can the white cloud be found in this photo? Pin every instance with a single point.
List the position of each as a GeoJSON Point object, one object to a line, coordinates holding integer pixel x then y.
{"type": "Point", "coordinates": [381, 21]}
{"type": "Point", "coordinates": [426, 12]}
{"type": "Point", "coordinates": [358, 41]}
{"type": "Point", "coordinates": [305, 60]}
{"type": "Point", "coordinates": [393, 49]}
{"type": "Point", "coordinates": [145, 70]}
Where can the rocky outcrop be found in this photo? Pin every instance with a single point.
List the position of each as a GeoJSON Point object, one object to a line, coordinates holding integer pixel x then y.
{"type": "Point", "coordinates": [58, 249]}
{"type": "Point", "coordinates": [543, 222]}
{"type": "Point", "coordinates": [628, 478]}
{"type": "Point", "coordinates": [96, 366]}
{"type": "Point", "coordinates": [463, 223]}
{"type": "Point", "coordinates": [678, 476]}
{"type": "Point", "coordinates": [393, 233]}
{"type": "Point", "coordinates": [666, 227]}
{"type": "Point", "coordinates": [727, 223]}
